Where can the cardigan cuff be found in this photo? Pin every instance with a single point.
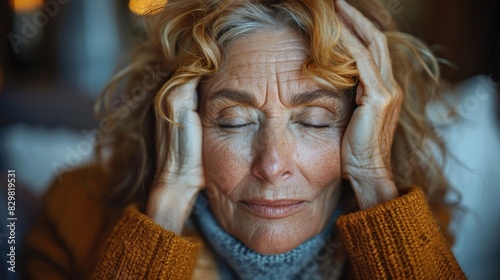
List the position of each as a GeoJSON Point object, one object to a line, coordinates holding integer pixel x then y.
{"type": "Point", "coordinates": [138, 248]}
{"type": "Point", "coordinates": [399, 239]}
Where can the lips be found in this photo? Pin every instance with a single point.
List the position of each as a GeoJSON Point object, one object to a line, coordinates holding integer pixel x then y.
{"type": "Point", "coordinates": [272, 209]}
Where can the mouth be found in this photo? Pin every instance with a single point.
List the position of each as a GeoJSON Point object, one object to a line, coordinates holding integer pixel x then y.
{"type": "Point", "coordinates": [272, 209]}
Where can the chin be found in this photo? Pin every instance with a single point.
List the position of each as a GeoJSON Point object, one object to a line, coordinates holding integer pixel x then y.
{"type": "Point", "coordinates": [274, 238]}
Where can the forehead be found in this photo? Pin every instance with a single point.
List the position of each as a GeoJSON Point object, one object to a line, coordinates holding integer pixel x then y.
{"type": "Point", "coordinates": [265, 51]}
{"type": "Point", "coordinates": [265, 63]}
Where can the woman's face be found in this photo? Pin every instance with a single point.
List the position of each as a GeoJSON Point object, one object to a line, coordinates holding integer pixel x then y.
{"type": "Point", "coordinates": [271, 144]}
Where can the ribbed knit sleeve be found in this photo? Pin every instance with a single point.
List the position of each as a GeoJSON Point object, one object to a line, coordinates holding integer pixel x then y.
{"type": "Point", "coordinates": [399, 239]}
{"type": "Point", "coordinates": [140, 249]}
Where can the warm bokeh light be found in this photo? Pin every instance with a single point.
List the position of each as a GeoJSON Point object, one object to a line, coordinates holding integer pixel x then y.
{"type": "Point", "coordinates": [25, 5]}
{"type": "Point", "coordinates": [142, 7]}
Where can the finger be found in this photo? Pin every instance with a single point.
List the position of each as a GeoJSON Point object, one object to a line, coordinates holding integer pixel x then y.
{"type": "Point", "coordinates": [363, 27]}
{"type": "Point", "coordinates": [184, 96]}
{"type": "Point", "coordinates": [369, 75]}
{"type": "Point", "coordinates": [372, 37]}
{"type": "Point", "coordinates": [360, 25]}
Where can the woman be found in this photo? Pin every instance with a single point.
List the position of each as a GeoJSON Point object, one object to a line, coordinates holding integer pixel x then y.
{"type": "Point", "coordinates": [285, 115]}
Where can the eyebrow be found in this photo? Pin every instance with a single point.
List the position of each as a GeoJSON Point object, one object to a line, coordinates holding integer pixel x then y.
{"type": "Point", "coordinates": [239, 96]}
{"type": "Point", "coordinates": [315, 96]}
{"type": "Point", "coordinates": [245, 97]}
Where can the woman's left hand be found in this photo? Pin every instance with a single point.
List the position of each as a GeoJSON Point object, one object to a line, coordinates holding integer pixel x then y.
{"type": "Point", "coordinates": [366, 144]}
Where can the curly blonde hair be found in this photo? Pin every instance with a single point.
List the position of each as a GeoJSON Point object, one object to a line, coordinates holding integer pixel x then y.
{"type": "Point", "coordinates": [187, 38]}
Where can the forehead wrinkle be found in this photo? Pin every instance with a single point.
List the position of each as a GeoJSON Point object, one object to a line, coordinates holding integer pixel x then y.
{"type": "Point", "coordinates": [266, 61]}
{"type": "Point", "coordinates": [248, 58]}
{"type": "Point", "coordinates": [262, 59]}
{"type": "Point", "coordinates": [274, 65]}
{"type": "Point", "coordinates": [249, 65]}
{"type": "Point", "coordinates": [288, 44]}
{"type": "Point", "coordinates": [283, 53]}
{"type": "Point", "coordinates": [250, 71]}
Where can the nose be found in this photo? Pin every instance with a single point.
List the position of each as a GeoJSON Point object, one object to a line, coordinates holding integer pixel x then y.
{"type": "Point", "coordinates": [274, 162]}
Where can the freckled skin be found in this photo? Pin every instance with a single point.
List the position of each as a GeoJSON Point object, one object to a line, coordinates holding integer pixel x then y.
{"type": "Point", "coordinates": [273, 156]}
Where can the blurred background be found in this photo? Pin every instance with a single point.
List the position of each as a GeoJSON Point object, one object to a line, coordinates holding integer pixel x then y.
{"type": "Point", "coordinates": [57, 55]}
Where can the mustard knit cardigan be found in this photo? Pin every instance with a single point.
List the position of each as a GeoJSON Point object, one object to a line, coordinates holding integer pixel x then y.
{"type": "Point", "coordinates": [77, 237]}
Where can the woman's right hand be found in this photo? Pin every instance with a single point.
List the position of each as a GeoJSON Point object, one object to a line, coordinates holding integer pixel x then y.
{"type": "Point", "coordinates": [180, 175]}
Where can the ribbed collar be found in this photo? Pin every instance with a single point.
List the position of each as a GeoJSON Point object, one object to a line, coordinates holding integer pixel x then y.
{"type": "Point", "coordinates": [237, 261]}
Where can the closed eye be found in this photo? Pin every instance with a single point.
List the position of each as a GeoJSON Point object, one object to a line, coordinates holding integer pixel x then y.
{"type": "Point", "coordinates": [317, 126]}
{"type": "Point", "coordinates": [227, 126]}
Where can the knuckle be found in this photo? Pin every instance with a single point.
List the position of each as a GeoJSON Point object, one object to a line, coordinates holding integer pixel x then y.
{"type": "Point", "coordinates": [380, 42]}
{"type": "Point", "coordinates": [383, 99]}
{"type": "Point", "coordinates": [179, 99]}
{"type": "Point", "coordinates": [172, 97]}
{"type": "Point", "coordinates": [181, 92]}
{"type": "Point", "coordinates": [364, 55]}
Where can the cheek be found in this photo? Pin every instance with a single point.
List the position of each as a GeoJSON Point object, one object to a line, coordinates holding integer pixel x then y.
{"type": "Point", "coordinates": [320, 161]}
{"type": "Point", "coordinates": [225, 160]}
